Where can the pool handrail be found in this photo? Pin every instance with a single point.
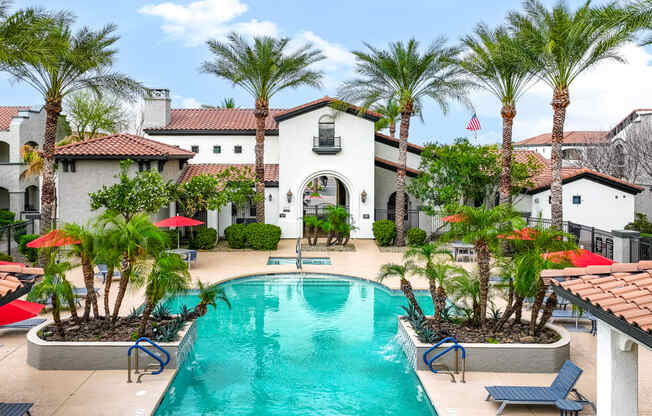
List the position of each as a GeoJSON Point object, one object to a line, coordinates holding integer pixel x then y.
{"type": "Point", "coordinates": [138, 347]}
{"type": "Point", "coordinates": [456, 347]}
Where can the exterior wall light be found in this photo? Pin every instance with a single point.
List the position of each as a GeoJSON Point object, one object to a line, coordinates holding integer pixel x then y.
{"type": "Point", "coordinates": [270, 198]}
{"type": "Point", "coordinates": [363, 196]}
{"type": "Point", "coordinates": [289, 194]}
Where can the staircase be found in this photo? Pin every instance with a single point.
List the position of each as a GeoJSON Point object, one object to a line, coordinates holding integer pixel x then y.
{"type": "Point", "coordinates": [152, 369]}
{"type": "Point", "coordinates": [442, 368]}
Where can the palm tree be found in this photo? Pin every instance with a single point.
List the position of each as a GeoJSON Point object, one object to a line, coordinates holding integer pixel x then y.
{"type": "Point", "coordinates": [169, 276]}
{"type": "Point", "coordinates": [495, 61]}
{"type": "Point", "coordinates": [561, 44]}
{"type": "Point", "coordinates": [74, 61]}
{"type": "Point", "coordinates": [19, 32]}
{"type": "Point", "coordinates": [54, 286]}
{"type": "Point", "coordinates": [263, 69]}
{"type": "Point", "coordinates": [436, 270]}
{"type": "Point", "coordinates": [483, 228]}
{"type": "Point", "coordinates": [465, 289]}
{"type": "Point", "coordinates": [208, 294]}
{"type": "Point", "coordinates": [86, 251]}
{"type": "Point", "coordinates": [110, 254]}
{"type": "Point", "coordinates": [136, 238]}
{"type": "Point", "coordinates": [391, 112]}
{"type": "Point", "coordinates": [409, 75]}
{"type": "Point", "coordinates": [401, 271]}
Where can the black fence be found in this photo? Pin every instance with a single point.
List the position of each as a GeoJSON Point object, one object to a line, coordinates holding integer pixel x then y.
{"type": "Point", "coordinates": [592, 239]}
{"type": "Point", "coordinates": [10, 236]}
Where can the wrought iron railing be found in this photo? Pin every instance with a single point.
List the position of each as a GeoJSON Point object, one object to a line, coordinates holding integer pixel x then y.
{"type": "Point", "coordinates": [327, 145]}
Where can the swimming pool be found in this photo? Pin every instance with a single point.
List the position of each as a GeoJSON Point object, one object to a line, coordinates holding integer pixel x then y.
{"type": "Point", "coordinates": [298, 346]}
{"type": "Point", "coordinates": [304, 260]}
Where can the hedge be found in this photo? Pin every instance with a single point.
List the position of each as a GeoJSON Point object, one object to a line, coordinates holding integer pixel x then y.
{"type": "Point", "coordinates": [6, 257]}
{"type": "Point", "coordinates": [263, 236]}
{"type": "Point", "coordinates": [6, 217]}
{"type": "Point", "coordinates": [205, 238]}
{"type": "Point", "coordinates": [416, 237]}
{"type": "Point", "coordinates": [236, 235]}
{"type": "Point", "coordinates": [384, 232]}
{"type": "Point", "coordinates": [31, 254]}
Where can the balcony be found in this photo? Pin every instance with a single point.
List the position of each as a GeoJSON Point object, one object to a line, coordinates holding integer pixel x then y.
{"type": "Point", "coordinates": [326, 145]}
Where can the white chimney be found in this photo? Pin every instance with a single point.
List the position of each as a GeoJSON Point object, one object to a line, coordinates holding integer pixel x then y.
{"type": "Point", "coordinates": [156, 113]}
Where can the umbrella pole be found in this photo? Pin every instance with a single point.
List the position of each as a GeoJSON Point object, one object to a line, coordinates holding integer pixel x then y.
{"type": "Point", "coordinates": [178, 239]}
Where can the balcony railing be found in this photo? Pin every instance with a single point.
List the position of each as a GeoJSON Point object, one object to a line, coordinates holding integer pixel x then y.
{"type": "Point", "coordinates": [327, 145]}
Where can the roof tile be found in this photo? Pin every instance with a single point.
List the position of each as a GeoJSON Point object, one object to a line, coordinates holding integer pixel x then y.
{"type": "Point", "coordinates": [570, 137]}
{"type": "Point", "coordinates": [7, 114]}
{"type": "Point", "coordinates": [192, 170]}
{"type": "Point", "coordinates": [122, 145]}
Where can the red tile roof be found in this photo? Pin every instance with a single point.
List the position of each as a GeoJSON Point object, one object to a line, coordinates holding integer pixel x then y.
{"type": "Point", "coordinates": [121, 145]}
{"type": "Point", "coordinates": [9, 277]}
{"type": "Point", "coordinates": [622, 289]}
{"type": "Point", "coordinates": [7, 113]}
{"type": "Point", "coordinates": [217, 119]}
{"type": "Point", "coordinates": [570, 137]}
{"type": "Point", "coordinates": [322, 102]}
{"type": "Point", "coordinates": [192, 170]}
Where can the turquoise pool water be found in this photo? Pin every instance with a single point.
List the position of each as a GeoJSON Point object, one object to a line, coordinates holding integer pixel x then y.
{"type": "Point", "coordinates": [298, 346]}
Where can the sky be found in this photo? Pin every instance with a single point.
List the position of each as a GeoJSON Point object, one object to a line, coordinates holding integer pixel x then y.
{"type": "Point", "coordinates": [163, 43]}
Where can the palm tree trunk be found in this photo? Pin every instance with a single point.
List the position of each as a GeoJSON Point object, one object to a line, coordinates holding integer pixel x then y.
{"type": "Point", "coordinates": [48, 196]}
{"type": "Point", "coordinates": [91, 299]}
{"type": "Point", "coordinates": [399, 217]}
{"type": "Point", "coordinates": [201, 309]}
{"type": "Point", "coordinates": [518, 311]}
{"type": "Point", "coordinates": [440, 303]}
{"type": "Point", "coordinates": [551, 304]}
{"type": "Point", "coordinates": [560, 101]}
{"type": "Point", "coordinates": [406, 287]}
{"type": "Point", "coordinates": [125, 273]}
{"type": "Point", "coordinates": [261, 112]}
{"type": "Point", "coordinates": [511, 309]}
{"type": "Point", "coordinates": [536, 307]}
{"type": "Point", "coordinates": [483, 257]}
{"type": "Point", "coordinates": [73, 307]}
{"type": "Point", "coordinates": [107, 291]}
{"type": "Point", "coordinates": [432, 288]}
{"type": "Point", "coordinates": [508, 112]}
{"type": "Point", "coordinates": [144, 319]}
{"type": "Point", "coordinates": [56, 315]}
{"type": "Point", "coordinates": [315, 236]}
{"type": "Point", "coordinates": [392, 129]}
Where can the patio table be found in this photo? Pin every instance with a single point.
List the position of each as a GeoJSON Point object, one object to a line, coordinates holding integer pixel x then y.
{"type": "Point", "coordinates": [186, 254]}
{"type": "Point", "coordinates": [459, 248]}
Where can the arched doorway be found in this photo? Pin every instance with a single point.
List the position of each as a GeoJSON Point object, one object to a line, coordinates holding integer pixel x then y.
{"type": "Point", "coordinates": [31, 198]}
{"type": "Point", "coordinates": [4, 152]}
{"type": "Point", "coordinates": [4, 198]}
{"type": "Point", "coordinates": [391, 207]}
{"type": "Point", "coordinates": [321, 190]}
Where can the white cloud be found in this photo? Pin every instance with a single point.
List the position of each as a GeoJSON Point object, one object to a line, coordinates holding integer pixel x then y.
{"type": "Point", "coordinates": [337, 56]}
{"type": "Point", "coordinates": [185, 102]}
{"type": "Point", "coordinates": [599, 98]}
{"type": "Point", "coordinates": [205, 19]}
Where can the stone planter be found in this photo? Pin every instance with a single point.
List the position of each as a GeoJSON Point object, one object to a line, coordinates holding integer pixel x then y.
{"type": "Point", "coordinates": [495, 358]}
{"type": "Point", "coordinates": [57, 355]}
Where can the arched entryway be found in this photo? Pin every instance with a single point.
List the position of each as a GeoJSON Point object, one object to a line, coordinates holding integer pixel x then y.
{"type": "Point", "coordinates": [391, 207]}
{"type": "Point", "coordinates": [4, 198]}
{"type": "Point", "coordinates": [31, 198]}
{"type": "Point", "coordinates": [4, 152]}
{"type": "Point", "coordinates": [321, 190]}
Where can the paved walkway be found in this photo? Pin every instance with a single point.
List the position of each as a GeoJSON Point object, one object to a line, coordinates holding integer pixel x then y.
{"type": "Point", "coordinates": [107, 393]}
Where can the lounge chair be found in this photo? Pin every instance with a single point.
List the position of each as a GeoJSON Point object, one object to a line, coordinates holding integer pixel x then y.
{"type": "Point", "coordinates": [15, 409]}
{"type": "Point", "coordinates": [559, 389]}
{"type": "Point", "coordinates": [26, 324]}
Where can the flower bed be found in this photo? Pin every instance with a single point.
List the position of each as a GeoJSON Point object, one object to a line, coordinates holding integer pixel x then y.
{"type": "Point", "coordinates": [513, 357]}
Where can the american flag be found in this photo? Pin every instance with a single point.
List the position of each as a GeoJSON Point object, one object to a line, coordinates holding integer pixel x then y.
{"type": "Point", "coordinates": [474, 123]}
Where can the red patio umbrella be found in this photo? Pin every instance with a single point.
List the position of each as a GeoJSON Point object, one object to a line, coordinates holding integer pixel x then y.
{"type": "Point", "coordinates": [178, 221]}
{"type": "Point", "coordinates": [19, 310]}
{"type": "Point", "coordinates": [522, 234]}
{"type": "Point", "coordinates": [11, 263]}
{"type": "Point", "coordinates": [579, 258]}
{"type": "Point", "coordinates": [454, 218]}
{"type": "Point", "coordinates": [55, 238]}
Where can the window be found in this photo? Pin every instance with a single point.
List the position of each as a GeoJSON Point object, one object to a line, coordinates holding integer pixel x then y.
{"type": "Point", "coordinates": [326, 131]}
{"type": "Point", "coordinates": [571, 154]}
{"type": "Point", "coordinates": [577, 199]}
{"type": "Point", "coordinates": [65, 166]}
{"type": "Point", "coordinates": [550, 199]}
{"type": "Point", "coordinates": [161, 164]}
{"type": "Point", "coordinates": [194, 148]}
{"type": "Point", "coordinates": [73, 167]}
{"type": "Point", "coordinates": [252, 209]}
{"type": "Point", "coordinates": [144, 165]}
{"type": "Point", "coordinates": [237, 149]}
{"type": "Point", "coordinates": [182, 163]}
{"type": "Point", "coordinates": [217, 149]}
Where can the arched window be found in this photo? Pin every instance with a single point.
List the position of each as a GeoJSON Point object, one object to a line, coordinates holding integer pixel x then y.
{"type": "Point", "coordinates": [391, 207]}
{"type": "Point", "coordinates": [326, 131]}
{"type": "Point", "coordinates": [4, 152]}
{"type": "Point", "coordinates": [31, 198]}
{"type": "Point", "coordinates": [619, 151]}
{"type": "Point", "coordinates": [571, 154]}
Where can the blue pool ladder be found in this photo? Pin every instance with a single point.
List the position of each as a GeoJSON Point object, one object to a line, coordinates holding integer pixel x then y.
{"type": "Point", "coordinates": [161, 364]}
{"type": "Point", "coordinates": [455, 347]}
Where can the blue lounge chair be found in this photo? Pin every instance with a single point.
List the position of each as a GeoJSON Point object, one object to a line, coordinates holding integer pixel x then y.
{"type": "Point", "coordinates": [559, 389]}
{"type": "Point", "coordinates": [15, 409]}
{"type": "Point", "coordinates": [26, 324]}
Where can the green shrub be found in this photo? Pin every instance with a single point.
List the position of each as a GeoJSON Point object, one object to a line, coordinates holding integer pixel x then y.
{"type": "Point", "coordinates": [173, 237]}
{"type": "Point", "coordinates": [384, 232]}
{"type": "Point", "coordinates": [640, 223]}
{"type": "Point", "coordinates": [263, 236]}
{"type": "Point", "coordinates": [31, 254]}
{"type": "Point", "coordinates": [18, 231]}
{"type": "Point", "coordinates": [6, 217]}
{"type": "Point", "coordinates": [205, 238]}
{"type": "Point", "coordinates": [6, 257]}
{"type": "Point", "coordinates": [416, 237]}
{"type": "Point", "coordinates": [236, 235]}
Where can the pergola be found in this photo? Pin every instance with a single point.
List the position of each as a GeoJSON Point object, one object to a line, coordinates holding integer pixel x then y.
{"type": "Point", "coordinates": [620, 297]}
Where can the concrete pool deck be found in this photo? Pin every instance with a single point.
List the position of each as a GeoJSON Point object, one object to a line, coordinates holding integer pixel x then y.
{"type": "Point", "coordinates": [107, 393]}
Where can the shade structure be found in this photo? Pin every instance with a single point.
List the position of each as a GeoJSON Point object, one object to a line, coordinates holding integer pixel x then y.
{"type": "Point", "coordinates": [55, 238]}
{"type": "Point", "coordinates": [522, 234]}
{"type": "Point", "coordinates": [579, 258]}
{"type": "Point", "coordinates": [454, 218]}
{"type": "Point", "coordinates": [178, 221]}
{"type": "Point", "coordinates": [19, 310]}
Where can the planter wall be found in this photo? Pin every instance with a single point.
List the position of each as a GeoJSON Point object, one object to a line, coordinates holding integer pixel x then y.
{"type": "Point", "coordinates": [495, 358]}
{"type": "Point", "coordinates": [51, 355]}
